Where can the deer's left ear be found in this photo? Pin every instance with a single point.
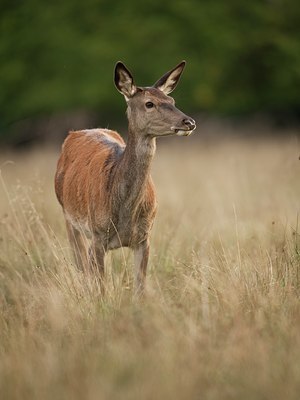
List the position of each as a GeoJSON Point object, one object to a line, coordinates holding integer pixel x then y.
{"type": "Point", "coordinates": [168, 82]}
{"type": "Point", "coordinates": [124, 80]}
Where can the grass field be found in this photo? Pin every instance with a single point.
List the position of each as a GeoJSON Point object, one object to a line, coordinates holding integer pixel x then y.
{"type": "Point", "coordinates": [221, 319]}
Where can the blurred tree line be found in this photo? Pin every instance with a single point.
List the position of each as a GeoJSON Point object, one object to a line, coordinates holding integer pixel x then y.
{"type": "Point", "coordinates": [242, 57]}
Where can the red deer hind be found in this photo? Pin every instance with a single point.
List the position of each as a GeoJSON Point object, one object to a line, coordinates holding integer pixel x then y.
{"type": "Point", "coordinates": [104, 185]}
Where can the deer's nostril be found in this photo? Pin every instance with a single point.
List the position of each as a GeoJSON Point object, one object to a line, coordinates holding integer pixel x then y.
{"type": "Point", "coordinates": [189, 122]}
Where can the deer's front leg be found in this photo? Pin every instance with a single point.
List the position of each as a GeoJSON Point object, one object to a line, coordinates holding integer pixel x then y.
{"type": "Point", "coordinates": [141, 255]}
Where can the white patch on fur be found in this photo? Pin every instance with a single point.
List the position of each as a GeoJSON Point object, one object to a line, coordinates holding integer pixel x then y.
{"type": "Point", "coordinates": [100, 133]}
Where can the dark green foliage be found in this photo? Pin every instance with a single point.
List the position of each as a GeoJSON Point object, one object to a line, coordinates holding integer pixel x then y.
{"type": "Point", "coordinates": [56, 56]}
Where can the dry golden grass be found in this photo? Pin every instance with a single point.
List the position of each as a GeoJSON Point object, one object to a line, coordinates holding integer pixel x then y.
{"type": "Point", "coordinates": [221, 319]}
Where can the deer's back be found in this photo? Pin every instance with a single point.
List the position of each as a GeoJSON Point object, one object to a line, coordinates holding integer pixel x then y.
{"type": "Point", "coordinates": [84, 171]}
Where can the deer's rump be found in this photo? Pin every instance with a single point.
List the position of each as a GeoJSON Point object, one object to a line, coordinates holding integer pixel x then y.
{"type": "Point", "coordinates": [84, 172]}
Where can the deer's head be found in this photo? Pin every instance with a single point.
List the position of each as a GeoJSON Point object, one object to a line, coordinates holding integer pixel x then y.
{"type": "Point", "coordinates": [150, 110]}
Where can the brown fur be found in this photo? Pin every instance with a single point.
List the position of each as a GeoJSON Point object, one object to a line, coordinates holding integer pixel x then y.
{"type": "Point", "coordinates": [105, 187]}
{"type": "Point", "coordinates": [85, 183]}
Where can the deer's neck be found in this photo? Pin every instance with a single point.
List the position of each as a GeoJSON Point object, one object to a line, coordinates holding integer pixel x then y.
{"type": "Point", "coordinates": [135, 167]}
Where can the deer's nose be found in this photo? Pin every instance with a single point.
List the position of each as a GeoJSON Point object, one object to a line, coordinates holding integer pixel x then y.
{"type": "Point", "coordinates": [189, 123]}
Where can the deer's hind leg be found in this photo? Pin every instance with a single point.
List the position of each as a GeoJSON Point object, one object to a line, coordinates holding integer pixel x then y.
{"type": "Point", "coordinates": [77, 245]}
{"type": "Point", "coordinates": [96, 256]}
{"type": "Point", "coordinates": [141, 256]}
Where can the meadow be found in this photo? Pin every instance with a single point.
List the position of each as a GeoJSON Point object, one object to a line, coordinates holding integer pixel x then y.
{"type": "Point", "coordinates": [221, 317]}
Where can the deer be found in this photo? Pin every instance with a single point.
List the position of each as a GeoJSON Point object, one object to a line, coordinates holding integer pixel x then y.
{"type": "Point", "coordinates": [104, 185]}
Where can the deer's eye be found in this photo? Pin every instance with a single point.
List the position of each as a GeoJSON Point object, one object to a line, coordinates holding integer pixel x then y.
{"type": "Point", "coordinates": [149, 104]}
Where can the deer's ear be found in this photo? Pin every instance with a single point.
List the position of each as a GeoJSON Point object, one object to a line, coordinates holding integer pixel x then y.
{"type": "Point", "coordinates": [168, 82]}
{"type": "Point", "coordinates": [124, 81]}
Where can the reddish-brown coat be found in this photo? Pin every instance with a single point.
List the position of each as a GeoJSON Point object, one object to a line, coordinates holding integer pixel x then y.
{"type": "Point", "coordinates": [82, 168]}
{"type": "Point", "coordinates": [87, 185]}
{"type": "Point", "coordinates": [105, 187]}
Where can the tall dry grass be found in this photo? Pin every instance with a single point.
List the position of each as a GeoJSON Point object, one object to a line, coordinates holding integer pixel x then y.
{"type": "Point", "coordinates": [221, 319]}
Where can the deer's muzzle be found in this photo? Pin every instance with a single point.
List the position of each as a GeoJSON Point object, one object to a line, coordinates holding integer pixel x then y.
{"type": "Point", "coordinates": [188, 125]}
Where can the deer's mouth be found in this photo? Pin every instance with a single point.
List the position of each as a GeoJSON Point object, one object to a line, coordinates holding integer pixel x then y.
{"type": "Point", "coordinates": [183, 132]}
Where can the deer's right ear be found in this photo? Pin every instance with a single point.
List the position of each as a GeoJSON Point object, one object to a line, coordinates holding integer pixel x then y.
{"type": "Point", "coordinates": [124, 80]}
